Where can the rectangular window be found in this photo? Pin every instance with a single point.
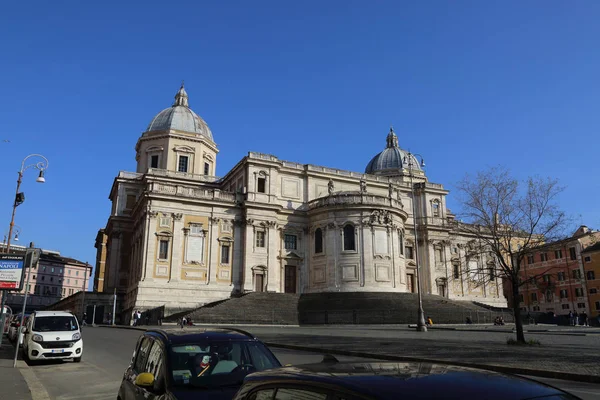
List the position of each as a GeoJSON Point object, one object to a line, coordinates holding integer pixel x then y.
{"type": "Point", "coordinates": [43, 278]}
{"type": "Point", "coordinates": [52, 270]}
{"type": "Point", "coordinates": [163, 249]}
{"type": "Point", "coordinates": [593, 291]}
{"type": "Point", "coordinates": [70, 292]}
{"type": "Point", "coordinates": [260, 239]}
{"type": "Point", "coordinates": [563, 294]}
{"type": "Point", "coordinates": [225, 254]}
{"type": "Point", "coordinates": [533, 296]}
{"type": "Point", "coordinates": [572, 253]}
{"type": "Point", "coordinates": [318, 241]}
{"type": "Point", "coordinates": [521, 298]}
{"type": "Point", "coordinates": [154, 161]}
{"type": "Point", "coordinates": [182, 166]}
{"type": "Point", "coordinates": [547, 278]}
{"type": "Point", "coordinates": [492, 274]}
{"type": "Point", "coordinates": [530, 259]}
{"type": "Point", "coordinates": [130, 201]}
{"type": "Point", "coordinates": [561, 276]}
{"type": "Point", "coordinates": [579, 292]}
{"type": "Point", "coordinates": [558, 254]}
{"type": "Point", "coordinates": [544, 256]}
{"type": "Point", "coordinates": [576, 274]}
{"type": "Point", "coordinates": [69, 272]}
{"type": "Point", "coordinates": [290, 242]}
{"type": "Point", "coordinates": [597, 305]}
{"type": "Point", "coordinates": [206, 168]}
{"type": "Point", "coordinates": [565, 306]}
{"type": "Point", "coordinates": [580, 305]}
{"type": "Point", "coordinates": [536, 308]}
{"type": "Point", "coordinates": [438, 255]}
{"type": "Point", "coordinates": [409, 252]}
{"type": "Point", "coordinates": [588, 259]}
{"type": "Point", "coordinates": [591, 275]}
{"type": "Point", "coordinates": [262, 185]}
{"type": "Point", "coordinates": [76, 273]}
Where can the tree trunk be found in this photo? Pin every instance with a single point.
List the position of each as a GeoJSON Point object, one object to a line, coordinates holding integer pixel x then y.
{"type": "Point", "coordinates": [517, 311]}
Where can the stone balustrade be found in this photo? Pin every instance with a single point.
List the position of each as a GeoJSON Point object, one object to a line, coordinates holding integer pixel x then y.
{"type": "Point", "coordinates": [339, 199]}
{"type": "Point", "coordinates": [192, 192]}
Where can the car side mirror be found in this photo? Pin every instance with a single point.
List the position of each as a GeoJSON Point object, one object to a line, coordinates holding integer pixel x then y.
{"type": "Point", "coordinates": [145, 379]}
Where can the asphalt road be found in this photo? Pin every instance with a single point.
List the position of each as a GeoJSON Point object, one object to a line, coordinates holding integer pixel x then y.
{"type": "Point", "coordinates": [108, 351]}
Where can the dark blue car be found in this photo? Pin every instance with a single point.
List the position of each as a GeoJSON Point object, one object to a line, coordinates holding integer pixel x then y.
{"type": "Point", "coordinates": [332, 380]}
{"type": "Point", "coordinates": [196, 363]}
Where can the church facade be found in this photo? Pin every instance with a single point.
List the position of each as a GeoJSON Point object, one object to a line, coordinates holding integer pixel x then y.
{"type": "Point", "coordinates": [180, 237]}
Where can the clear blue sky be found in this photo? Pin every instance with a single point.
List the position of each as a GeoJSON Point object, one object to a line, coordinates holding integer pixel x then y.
{"type": "Point", "coordinates": [467, 84]}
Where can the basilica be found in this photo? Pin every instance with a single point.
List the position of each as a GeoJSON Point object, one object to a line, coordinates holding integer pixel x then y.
{"type": "Point", "coordinates": [180, 237]}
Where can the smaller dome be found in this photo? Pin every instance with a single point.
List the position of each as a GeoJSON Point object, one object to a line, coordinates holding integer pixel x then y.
{"type": "Point", "coordinates": [180, 117]}
{"type": "Point", "coordinates": [392, 159]}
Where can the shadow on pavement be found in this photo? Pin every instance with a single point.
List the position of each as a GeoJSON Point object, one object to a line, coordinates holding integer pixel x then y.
{"type": "Point", "coordinates": [12, 383]}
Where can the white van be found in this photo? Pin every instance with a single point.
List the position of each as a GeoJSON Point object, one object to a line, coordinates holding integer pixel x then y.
{"type": "Point", "coordinates": [52, 335]}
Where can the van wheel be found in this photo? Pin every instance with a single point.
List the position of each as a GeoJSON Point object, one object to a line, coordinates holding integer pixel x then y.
{"type": "Point", "coordinates": [78, 359]}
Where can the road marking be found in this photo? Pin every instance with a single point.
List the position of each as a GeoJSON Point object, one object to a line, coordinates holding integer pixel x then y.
{"type": "Point", "coordinates": [38, 391]}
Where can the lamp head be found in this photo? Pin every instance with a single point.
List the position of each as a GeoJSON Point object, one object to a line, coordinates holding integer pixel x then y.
{"type": "Point", "coordinates": [40, 178]}
{"type": "Point", "coordinates": [422, 163]}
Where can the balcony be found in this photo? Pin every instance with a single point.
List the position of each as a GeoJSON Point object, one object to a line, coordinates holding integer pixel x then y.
{"type": "Point", "coordinates": [351, 199]}
{"type": "Point", "coordinates": [191, 192]}
{"type": "Point", "coordinates": [433, 221]}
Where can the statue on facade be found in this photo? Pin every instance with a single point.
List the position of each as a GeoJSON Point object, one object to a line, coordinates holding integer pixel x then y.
{"type": "Point", "coordinates": [399, 197]}
{"type": "Point", "coordinates": [330, 187]}
{"type": "Point", "coordinates": [363, 186]}
{"type": "Point", "coordinates": [391, 190]}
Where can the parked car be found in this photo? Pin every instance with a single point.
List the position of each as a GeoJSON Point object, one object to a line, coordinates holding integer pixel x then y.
{"type": "Point", "coordinates": [390, 380]}
{"type": "Point", "coordinates": [195, 363]}
{"type": "Point", "coordinates": [15, 324]}
{"type": "Point", "coordinates": [52, 335]}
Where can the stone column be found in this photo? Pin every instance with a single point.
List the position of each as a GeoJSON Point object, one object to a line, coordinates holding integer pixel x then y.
{"type": "Point", "coordinates": [115, 260]}
{"type": "Point", "coordinates": [214, 258]}
{"type": "Point", "coordinates": [248, 228]}
{"type": "Point", "coordinates": [274, 248]}
{"type": "Point", "coordinates": [149, 258]}
{"type": "Point", "coordinates": [237, 261]}
{"type": "Point", "coordinates": [176, 247]}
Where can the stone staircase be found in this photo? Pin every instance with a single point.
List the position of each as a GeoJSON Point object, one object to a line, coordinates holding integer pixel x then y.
{"type": "Point", "coordinates": [337, 308]}
{"type": "Point", "coordinates": [251, 308]}
{"type": "Point", "coordinates": [388, 308]}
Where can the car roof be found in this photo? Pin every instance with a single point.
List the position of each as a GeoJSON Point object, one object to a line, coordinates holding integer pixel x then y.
{"type": "Point", "coordinates": [384, 380]}
{"type": "Point", "coordinates": [193, 334]}
{"type": "Point", "coordinates": [52, 314]}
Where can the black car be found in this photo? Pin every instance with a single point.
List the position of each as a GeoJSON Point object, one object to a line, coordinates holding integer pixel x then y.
{"type": "Point", "coordinates": [194, 363]}
{"type": "Point", "coordinates": [332, 380]}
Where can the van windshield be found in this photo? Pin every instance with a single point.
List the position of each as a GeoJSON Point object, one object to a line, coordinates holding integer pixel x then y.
{"type": "Point", "coordinates": [54, 324]}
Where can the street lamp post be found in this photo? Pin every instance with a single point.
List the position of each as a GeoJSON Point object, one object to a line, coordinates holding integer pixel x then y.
{"type": "Point", "coordinates": [408, 159]}
{"type": "Point", "coordinates": [19, 198]}
{"type": "Point", "coordinates": [17, 231]}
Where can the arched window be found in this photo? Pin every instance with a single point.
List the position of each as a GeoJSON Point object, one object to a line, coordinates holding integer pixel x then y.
{"type": "Point", "coordinates": [318, 241]}
{"type": "Point", "coordinates": [349, 242]}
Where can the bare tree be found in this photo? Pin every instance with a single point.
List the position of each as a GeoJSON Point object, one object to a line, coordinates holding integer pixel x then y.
{"type": "Point", "coordinates": [510, 218]}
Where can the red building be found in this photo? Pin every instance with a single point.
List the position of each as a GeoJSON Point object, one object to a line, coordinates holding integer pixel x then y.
{"type": "Point", "coordinates": [554, 277]}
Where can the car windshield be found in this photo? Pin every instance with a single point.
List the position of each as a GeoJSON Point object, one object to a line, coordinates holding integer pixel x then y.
{"type": "Point", "coordinates": [54, 324]}
{"type": "Point", "coordinates": [217, 364]}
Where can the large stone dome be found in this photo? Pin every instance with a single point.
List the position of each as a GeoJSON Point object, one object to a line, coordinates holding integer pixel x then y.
{"type": "Point", "coordinates": [392, 159]}
{"type": "Point", "coordinates": [180, 117]}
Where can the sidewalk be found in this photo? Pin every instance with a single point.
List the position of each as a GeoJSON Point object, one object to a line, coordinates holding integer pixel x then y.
{"type": "Point", "coordinates": [12, 383]}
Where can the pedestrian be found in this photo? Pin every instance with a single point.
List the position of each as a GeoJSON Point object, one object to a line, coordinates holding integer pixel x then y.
{"type": "Point", "coordinates": [135, 318]}
{"type": "Point", "coordinates": [84, 322]}
{"type": "Point", "coordinates": [584, 319]}
{"type": "Point", "coordinates": [575, 319]}
{"type": "Point", "coordinates": [571, 318]}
